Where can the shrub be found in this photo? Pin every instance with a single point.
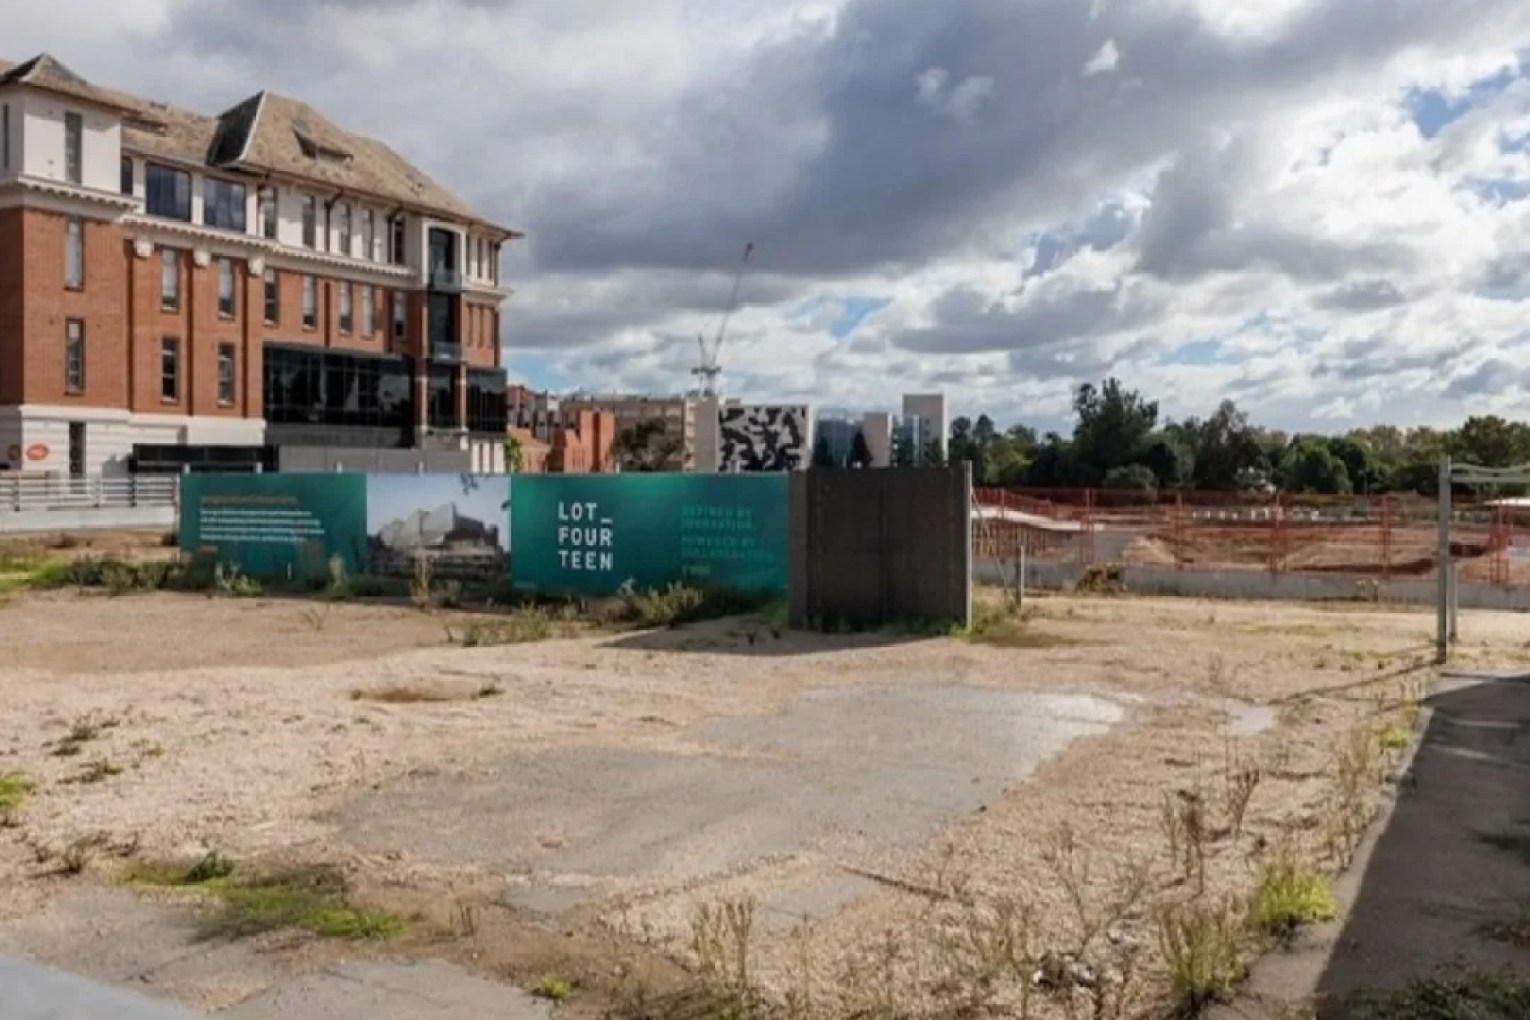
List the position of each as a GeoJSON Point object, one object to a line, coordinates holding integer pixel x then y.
{"type": "Point", "coordinates": [1199, 942]}
{"type": "Point", "coordinates": [1290, 895]}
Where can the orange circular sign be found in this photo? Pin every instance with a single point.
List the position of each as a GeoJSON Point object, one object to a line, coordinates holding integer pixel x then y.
{"type": "Point", "coordinates": [37, 451]}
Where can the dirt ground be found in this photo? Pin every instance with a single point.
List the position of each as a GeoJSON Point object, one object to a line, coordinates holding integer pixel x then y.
{"type": "Point", "coordinates": [577, 807]}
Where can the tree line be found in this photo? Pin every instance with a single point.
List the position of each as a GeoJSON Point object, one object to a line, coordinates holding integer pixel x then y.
{"type": "Point", "coordinates": [1119, 441]}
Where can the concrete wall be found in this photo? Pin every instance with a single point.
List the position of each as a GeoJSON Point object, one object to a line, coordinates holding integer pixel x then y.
{"type": "Point", "coordinates": [143, 518]}
{"type": "Point", "coordinates": [101, 141]}
{"type": "Point", "coordinates": [1257, 584]}
{"type": "Point", "coordinates": [871, 548]}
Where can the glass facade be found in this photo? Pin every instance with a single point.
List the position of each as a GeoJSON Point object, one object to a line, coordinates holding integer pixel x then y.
{"type": "Point", "coordinates": [486, 400]}
{"type": "Point", "coordinates": [313, 386]}
{"type": "Point", "coordinates": [441, 394]}
{"type": "Point", "coordinates": [167, 192]}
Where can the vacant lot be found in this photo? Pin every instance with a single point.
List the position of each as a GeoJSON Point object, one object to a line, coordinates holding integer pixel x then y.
{"type": "Point", "coordinates": [849, 823]}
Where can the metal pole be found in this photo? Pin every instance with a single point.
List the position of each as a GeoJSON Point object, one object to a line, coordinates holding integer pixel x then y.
{"type": "Point", "coordinates": [1455, 603]}
{"type": "Point", "coordinates": [1442, 562]}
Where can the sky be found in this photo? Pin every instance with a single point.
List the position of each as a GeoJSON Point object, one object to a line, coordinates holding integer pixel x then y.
{"type": "Point", "coordinates": [1318, 208]}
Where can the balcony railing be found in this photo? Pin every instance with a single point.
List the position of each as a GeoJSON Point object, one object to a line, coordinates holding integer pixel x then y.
{"type": "Point", "coordinates": [22, 492]}
{"type": "Point", "coordinates": [445, 278]}
{"type": "Point", "coordinates": [446, 352]}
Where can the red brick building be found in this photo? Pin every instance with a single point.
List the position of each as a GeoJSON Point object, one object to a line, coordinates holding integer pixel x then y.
{"type": "Point", "coordinates": [179, 288]}
{"type": "Point", "coordinates": [579, 440]}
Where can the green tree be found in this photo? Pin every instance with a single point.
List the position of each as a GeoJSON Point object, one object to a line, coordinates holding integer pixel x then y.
{"type": "Point", "coordinates": [1490, 441]}
{"type": "Point", "coordinates": [1310, 465]}
{"type": "Point", "coordinates": [1365, 473]}
{"type": "Point", "coordinates": [1132, 478]}
{"type": "Point", "coordinates": [1113, 425]}
{"type": "Point", "coordinates": [648, 446]}
{"type": "Point", "coordinates": [1169, 458]}
{"type": "Point", "coordinates": [515, 456]}
{"type": "Point", "coordinates": [1222, 447]}
{"type": "Point", "coordinates": [932, 455]}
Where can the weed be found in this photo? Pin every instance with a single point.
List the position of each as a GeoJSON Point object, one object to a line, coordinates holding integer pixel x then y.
{"type": "Point", "coordinates": [15, 788]}
{"type": "Point", "coordinates": [339, 580]}
{"type": "Point", "coordinates": [1200, 946]}
{"type": "Point", "coordinates": [523, 626]}
{"type": "Point", "coordinates": [1006, 628]}
{"type": "Point", "coordinates": [721, 943]}
{"type": "Point", "coordinates": [95, 772]}
{"type": "Point", "coordinates": [671, 607]}
{"type": "Point", "coordinates": [315, 618]}
{"type": "Point", "coordinates": [465, 920]}
{"type": "Point", "coordinates": [552, 988]}
{"type": "Point", "coordinates": [1241, 782]}
{"type": "Point", "coordinates": [1353, 773]}
{"type": "Point", "coordinates": [1072, 866]}
{"type": "Point", "coordinates": [1182, 820]}
{"type": "Point", "coordinates": [1290, 894]}
{"type": "Point", "coordinates": [1455, 994]}
{"type": "Point", "coordinates": [422, 585]}
{"type": "Point", "coordinates": [229, 580]}
{"type": "Point", "coordinates": [1394, 738]}
{"type": "Point", "coordinates": [81, 732]}
{"type": "Point", "coordinates": [210, 867]}
{"type": "Point", "coordinates": [76, 856]}
{"type": "Point", "coordinates": [489, 689]}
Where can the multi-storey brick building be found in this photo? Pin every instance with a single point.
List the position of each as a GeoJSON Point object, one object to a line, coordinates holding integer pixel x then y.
{"type": "Point", "coordinates": [179, 288]}
{"type": "Point", "coordinates": [577, 439]}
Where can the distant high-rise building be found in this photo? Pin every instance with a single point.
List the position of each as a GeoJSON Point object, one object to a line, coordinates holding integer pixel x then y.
{"type": "Point", "coordinates": [926, 420]}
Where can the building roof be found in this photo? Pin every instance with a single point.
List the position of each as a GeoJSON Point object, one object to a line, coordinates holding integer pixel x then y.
{"type": "Point", "coordinates": [266, 133]}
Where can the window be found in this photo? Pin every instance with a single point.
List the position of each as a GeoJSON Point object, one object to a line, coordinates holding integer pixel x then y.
{"type": "Point", "coordinates": [169, 370]}
{"type": "Point", "coordinates": [486, 409]}
{"type": "Point", "coordinates": [368, 312]}
{"type": "Point", "coordinates": [314, 386]}
{"type": "Point", "coordinates": [345, 306]}
{"type": "Point", "coordinates": [273, 298]}
{"type": "Point", "coordinates": [167, 192]}
{"type": "Point", "coordinates": [268, 213]}
{"type": "Point", "coordinates": [343, 227]}
{"type": "Point", "coordinates": [396, 240]}
{"type": "Point", "coordinates": [443, 322]}
{"type": "Point", "coordinates": [74, 253]}
{"type": "Point", "coordinates": [74, 356]}
{"type": "Point", "coordinates": [310, 222]}
{"type": "Point", "coordinates": [400, 315]}
{"type": "Point", "coordinates": [310, 302]}
{"type": "Point", "coordinates": [441, 397]}
{"type": "Point", "coordinates": [368, 235]}
{"type": "Point", "coordinates": [223, 204]}
{"type": "Point", "coordinates": [127, 175]}
{"type": "Point", "coordinates": [226, 287]}
{"type": "Point", "coordinates": [169, 280]}
{"type": "Point", "coordinates": [226, 375]}
{"type": "Point", "coordinates": [74, 148]}
{"type": "Point", "coordinates": [494, 263]}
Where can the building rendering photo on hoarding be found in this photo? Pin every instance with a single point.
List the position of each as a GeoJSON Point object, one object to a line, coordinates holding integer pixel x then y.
{"type": "Point", "coordinates": [189, 289]}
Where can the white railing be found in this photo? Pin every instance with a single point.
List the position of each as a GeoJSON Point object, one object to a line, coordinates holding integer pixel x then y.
{"type": "Point", "coordinates": [21, 492]}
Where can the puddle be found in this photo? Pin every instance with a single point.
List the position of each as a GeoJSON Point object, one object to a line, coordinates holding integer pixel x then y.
{"type": "Point", "coordinates": [839, 771]}
{"type": "Point", "coordinates": [1247, 719]}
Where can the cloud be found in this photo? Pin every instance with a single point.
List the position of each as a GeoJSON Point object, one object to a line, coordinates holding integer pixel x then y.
{"type": "Point", "coordinates": [1319, 193]}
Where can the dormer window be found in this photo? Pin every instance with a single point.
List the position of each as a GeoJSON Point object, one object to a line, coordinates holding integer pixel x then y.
{"type": "Point", "coordinates": [315, 149]}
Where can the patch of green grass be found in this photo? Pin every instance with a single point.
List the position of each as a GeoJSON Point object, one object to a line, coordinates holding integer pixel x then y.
{"type": "Point", "coordinates": [1394, 738]}
{"type": "Point", "coordinates": [15, 788]}
{"type": "Point", "coordinates": [1289, 896]}
{"type": "Point", "coordinates": [1003, 628]}
{"type": "Point", "coordinates": [1458, 994]}
{"type": "Point", "coordinates": [311, 899]}
{"type": "Point", "coordinates": [552, 988]}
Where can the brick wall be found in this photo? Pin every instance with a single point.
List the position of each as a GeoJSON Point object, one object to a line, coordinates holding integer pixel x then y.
{"type": "Point", "coordinates": [11, 308]}
{"type": "Point", "coordinates": [47, 305]}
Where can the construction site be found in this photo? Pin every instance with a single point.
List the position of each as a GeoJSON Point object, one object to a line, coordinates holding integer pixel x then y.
{"type": "Point", "coordinates": [1357, 540]}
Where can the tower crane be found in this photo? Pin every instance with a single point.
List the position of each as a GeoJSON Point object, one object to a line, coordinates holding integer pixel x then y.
{"type": "Point", "coordinates": [708, 368]}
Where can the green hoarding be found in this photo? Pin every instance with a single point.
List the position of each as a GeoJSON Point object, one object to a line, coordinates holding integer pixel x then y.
{"type": "Point", "coordinates": [277, 525]}
{"type": "Point", "coordinates": [590, 534]}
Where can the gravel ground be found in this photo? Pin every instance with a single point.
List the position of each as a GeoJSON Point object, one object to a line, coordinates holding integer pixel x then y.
{"type": "Point", "coordinates": [600, 789]}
